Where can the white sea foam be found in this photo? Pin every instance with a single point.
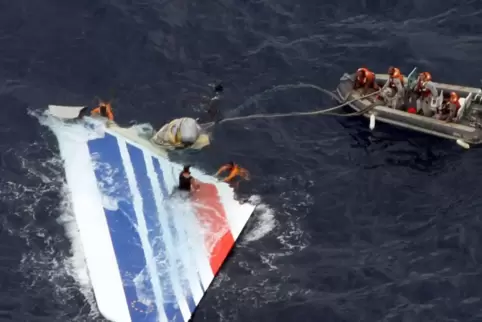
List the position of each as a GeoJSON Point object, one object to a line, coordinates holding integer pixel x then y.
{"type": "Point", "coordinates": [265, 220]}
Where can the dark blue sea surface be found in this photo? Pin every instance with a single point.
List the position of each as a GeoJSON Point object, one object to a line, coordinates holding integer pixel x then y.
{"type": "Point", "coordinates": [357, 225]}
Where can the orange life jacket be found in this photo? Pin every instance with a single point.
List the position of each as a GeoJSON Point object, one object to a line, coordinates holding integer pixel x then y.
{"type": "Point", "coordinates": [454, 99]}
{"type": "Point", "coordinates": [107, 109]}
{"type": "Point", "coordinates": [234, 171]}
{"type": "Point", "coordinates": [396, 75]}
{"type": "Point", "coordinates": [422, 90]}
{"type": "Point", "coordinates": [369, 76]}
{"type": "Point", "coordinates": [423, 78]}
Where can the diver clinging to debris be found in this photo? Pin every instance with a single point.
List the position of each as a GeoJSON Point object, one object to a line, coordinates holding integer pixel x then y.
{"type": "Point", "coordinates": [186, 181]}
{"type": "Point", "coordinates": [103, 109]}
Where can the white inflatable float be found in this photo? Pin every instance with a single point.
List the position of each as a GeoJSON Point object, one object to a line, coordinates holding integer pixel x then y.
{"type": "Point", "coordinates": [149, 257]}
{"type": "Point", "coordinates": [181, 133]}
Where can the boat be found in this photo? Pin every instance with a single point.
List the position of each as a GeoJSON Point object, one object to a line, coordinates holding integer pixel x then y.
{"type": "Point", "coordinates": [150, 255]}
{"type": "Point", "coordinates": [466, 130]}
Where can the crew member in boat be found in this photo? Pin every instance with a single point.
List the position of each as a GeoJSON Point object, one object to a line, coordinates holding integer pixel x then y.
{"type": "Point", "coordinates": [424, 92]}
{"type": "Point", "coordinates": [234, 171]}
{"type": "Point", "coordinates": [103, 109]}
{"type": "Point", "coordinates": [186, 181]}
{"type": "Point", "coordinates": [365, 80]}
{"type": "Point", "coordinates": [393, 92]}
{"type": "Point", "coordinates": [448, 110]}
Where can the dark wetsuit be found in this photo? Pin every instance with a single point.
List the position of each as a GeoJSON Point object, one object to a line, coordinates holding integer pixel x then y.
{"type": "Point", "coordinates": [214, 106]}
{"type": "Point", "coordinates": [184, 182]}
{"type": "Point", "coordinates": [103, 111]}
{"type": "Point", "coordinates": [83, 112]}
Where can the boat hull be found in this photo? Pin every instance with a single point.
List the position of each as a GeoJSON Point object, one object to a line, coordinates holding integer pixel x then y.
{"type": "Point", "coordinates": [414, 122]}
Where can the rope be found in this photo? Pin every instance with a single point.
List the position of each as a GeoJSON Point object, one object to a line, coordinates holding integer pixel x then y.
{"type": "Point", "coordinates": [278, 88]}
{"type": "Point", "coordinates": [328, 111]}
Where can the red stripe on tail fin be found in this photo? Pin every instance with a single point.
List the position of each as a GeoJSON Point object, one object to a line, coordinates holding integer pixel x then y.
{"type": "Point", "coordinates": [217, 234]}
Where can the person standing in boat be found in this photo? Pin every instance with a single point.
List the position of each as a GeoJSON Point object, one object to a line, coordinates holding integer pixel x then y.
{"type": "Point", "coordinates": [393, 92]}
{"type": "Point", "coordinates": [448, 111]}
{"type": "Point", "coordinates": [424, 92]}
{"type": "Point", "coordinates": [364, 79]}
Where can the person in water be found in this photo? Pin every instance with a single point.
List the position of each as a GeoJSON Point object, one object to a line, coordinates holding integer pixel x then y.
{"type": "Point", "coordinates": [214, 104]}
{"type": "Point", "coordinates": [186, 181]}
{"type": "Point", "coordinates": [103, 109]}
{"type": "Point", "coordinates": [234, 171]}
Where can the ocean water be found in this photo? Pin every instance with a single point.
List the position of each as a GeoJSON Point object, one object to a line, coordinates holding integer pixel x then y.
{"type": "Point", "coordinates": [355, 225]}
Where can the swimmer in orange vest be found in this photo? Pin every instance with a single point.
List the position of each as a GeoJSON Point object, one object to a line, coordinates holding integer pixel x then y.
{"type": "Point", "coordinates": [234, 171]}
{"type": "Point", "coordinates": [104, 109]}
